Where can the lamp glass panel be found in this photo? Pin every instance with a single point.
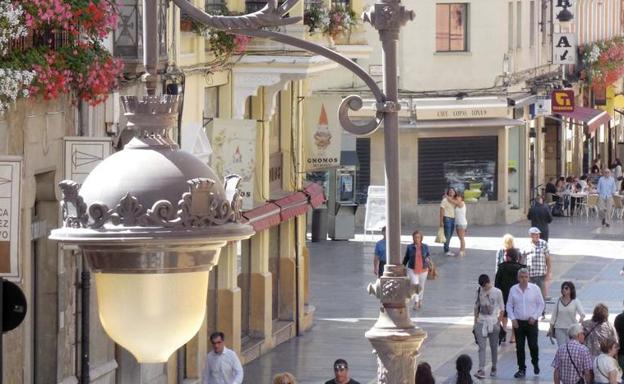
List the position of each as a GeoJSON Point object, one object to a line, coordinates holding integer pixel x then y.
{"type": "Point", "coordinates": [152, 315]}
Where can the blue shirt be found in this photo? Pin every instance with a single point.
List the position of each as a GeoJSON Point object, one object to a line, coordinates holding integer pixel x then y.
{"type": "Point", "coordinates": [606, 187]}
{"type": "Point", "coordinates": [380, 250]}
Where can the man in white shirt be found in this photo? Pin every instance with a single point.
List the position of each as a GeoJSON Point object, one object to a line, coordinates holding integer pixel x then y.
{"type": "Point", "coordinates": [222, 364]}
{"type": "Point", "coordinates": [524, 307]}
{"type": "Point", "coordinates": [606, 190]}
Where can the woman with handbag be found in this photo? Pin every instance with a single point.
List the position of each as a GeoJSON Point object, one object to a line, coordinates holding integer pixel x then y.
{"type": "Point", "coordinates": [417, 261]}
{"type": "Point", "coordinates": [488, 313]}
{"type": "Point", "coordinates": [564, 314]}
{"type": "Point", "coordinates": [606, 368]}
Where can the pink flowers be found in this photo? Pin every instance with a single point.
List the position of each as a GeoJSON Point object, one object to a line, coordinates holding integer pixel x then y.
{"type": "Point", "coordinates": [70, 58]}
{"type": "Point", "coordinates": [240, 43]}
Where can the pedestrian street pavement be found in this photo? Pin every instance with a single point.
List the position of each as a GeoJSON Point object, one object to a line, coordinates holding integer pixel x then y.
{"type": "Point", "coordinates": [583, 252]}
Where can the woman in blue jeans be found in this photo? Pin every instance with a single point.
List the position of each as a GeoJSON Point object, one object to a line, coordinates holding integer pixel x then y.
{"type": "Point", "coordinates": [447, 217]}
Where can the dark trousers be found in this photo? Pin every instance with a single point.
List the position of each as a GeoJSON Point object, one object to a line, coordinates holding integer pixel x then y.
{"type": "Point", "coordinates": [526, 331]}
{"type": "Point", "coordinates": [380, 270]}
{"type": "Point", "coordinates": [544, 235]}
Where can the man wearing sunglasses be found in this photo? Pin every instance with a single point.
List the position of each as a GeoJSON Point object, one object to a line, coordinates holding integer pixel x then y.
{"type": "Point", "coordinates": [341, 373]}
{"type": "Point", "coordinates": [222, 364]}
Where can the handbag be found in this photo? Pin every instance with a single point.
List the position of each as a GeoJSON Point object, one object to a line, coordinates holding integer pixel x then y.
{"type": "Point", "coordinates": [440, 238]}
{"type": "Point", "coordinates": [433, 271]}
{"type": "Point", "coordinates": [551, 329]}
{"type": "Point", "coordinates": [502, 335]}
{"type": "Point", "coordinates": [581, 379]}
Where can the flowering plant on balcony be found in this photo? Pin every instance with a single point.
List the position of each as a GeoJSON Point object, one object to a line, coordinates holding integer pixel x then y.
{"type": "Point", "coordinates": [222, 44]}
{"type": "Point", "coordinates": [603, 62]}
{"type": "Point", "coordinates": [54, 48]}
{"type": "Point", "coordinates": [334, 21]}
{"type": "Point", "coordinates": [93, 18]}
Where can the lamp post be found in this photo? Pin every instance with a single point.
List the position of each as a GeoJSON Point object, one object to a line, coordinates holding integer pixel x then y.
{"type": "Point", "coordinates": [103, 232]}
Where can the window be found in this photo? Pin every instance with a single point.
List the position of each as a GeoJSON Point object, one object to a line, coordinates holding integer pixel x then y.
{"type": "Point", "coordinates": [451, 27]}
{"type": "Point", "coordinates": [468, 164]}
{"type": "Point", "coordinates": [519, 24]}
{"type": "Point", "coordinates": [214, 6]}
{"type": "Point", "coordinates": [532, 24]}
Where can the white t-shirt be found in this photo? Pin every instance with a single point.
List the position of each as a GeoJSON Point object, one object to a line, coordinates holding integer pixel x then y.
{"type": "Point", "coordinates": [603, 365]}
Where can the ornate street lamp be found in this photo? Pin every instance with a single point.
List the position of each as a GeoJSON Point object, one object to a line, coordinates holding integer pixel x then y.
{"type": "Point", "coordinates": [143, 256]}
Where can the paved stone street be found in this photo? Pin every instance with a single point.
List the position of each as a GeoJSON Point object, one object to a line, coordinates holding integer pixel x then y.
{"type": "Point", "coordinates": [584, 253]}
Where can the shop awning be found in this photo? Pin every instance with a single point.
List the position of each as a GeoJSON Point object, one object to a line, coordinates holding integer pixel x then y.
{"type": "Point", "coordinates": [292, 205]}
{"type": "Point", "coordinates": [263, 217]}
{"type": "Point", "coordinates": [315, 194]}
{"type": "Point", "coordinates": [592, 118]}
{"type": "Point", "coordinates": [462, 123]}
{"type": "Point", "coordinates": [521, 99]}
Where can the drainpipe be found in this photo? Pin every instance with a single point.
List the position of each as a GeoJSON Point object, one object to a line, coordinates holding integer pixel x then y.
{"type": "Point", "coordinates": [85, 284]}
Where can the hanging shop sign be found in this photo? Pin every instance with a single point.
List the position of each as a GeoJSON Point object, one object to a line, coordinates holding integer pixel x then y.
{"type": "Point", "coordinates": [562, 100]}
{"type": "Point", "coordinates": [542, 106]}
{"type": "Point", "coordinates": [234, 152]}
{"type": "Point", "coordinates": [83, 154]}
{"type": "Point", "coordinates": [564, 48]}
{"type": "Point", "coordinates": [322, 133]}
{"type": "Point", "coordinates": [10, 178]}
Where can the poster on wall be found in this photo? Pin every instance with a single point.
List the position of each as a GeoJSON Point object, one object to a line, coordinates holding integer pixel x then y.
{"type": "Point", "coordinates": [323, 133]}
{"type": "Point", "coordinates": [472, 178]}
{"type": "Point", "coordinates": [10, 178]}
{"type": "Point", "coordinates": [83, 154]}
{"type": "Point", "coordinates": [233, 144]}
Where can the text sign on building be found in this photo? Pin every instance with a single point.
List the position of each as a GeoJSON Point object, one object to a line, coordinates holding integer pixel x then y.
{"type": "Point", "coordinates": [562, 100]}
{"type": "Point", "coordinates": [543, 106]}
{"type": "Point", "coordinates": [564, 48]}
{"type": "Point", "coordinates": [323, 133]}
{"type": "Point", "coordinates": [83, 154]}
{"type": "Point", "coordinates": [452, 112]}
{"type": "Point", "coordinates": [10, 177]}
{"type": "Point", "coordinates": [234, 152]}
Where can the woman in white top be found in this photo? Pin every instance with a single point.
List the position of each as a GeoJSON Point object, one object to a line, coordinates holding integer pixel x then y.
{"type": "Point", "coordinates": [461, 224]}
{"type": "Point", "coordinates": [564, 314]}
{"type": "Point", "coordinates": [606, 368]}
{"type": "Point", "coordinates": [488, 313]}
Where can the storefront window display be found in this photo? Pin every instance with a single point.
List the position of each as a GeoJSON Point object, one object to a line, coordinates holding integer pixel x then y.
{"type": "Point", "coordinates": [468, 164]}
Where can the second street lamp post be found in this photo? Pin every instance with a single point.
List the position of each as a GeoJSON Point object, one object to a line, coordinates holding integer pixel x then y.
{"type": "Point", "coordinates": [394, 337]}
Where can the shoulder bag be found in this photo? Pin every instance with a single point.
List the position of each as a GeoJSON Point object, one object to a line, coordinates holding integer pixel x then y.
{"type": "Point", "coordinates": [478, 305]}
{"type": "Point", "coordinates": [551, 329]}
{"type": "Point", "coordinates": [581, 379]}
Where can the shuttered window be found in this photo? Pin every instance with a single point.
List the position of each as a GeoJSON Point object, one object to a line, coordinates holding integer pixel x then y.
{"type": "Point", "coordinates": [469, 164]}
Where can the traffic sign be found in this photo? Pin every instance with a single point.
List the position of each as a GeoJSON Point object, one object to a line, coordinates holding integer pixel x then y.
{"type": "Point", "coordinates": [564, 48]}
{"type": "Point", "coordinates": [13, 306]}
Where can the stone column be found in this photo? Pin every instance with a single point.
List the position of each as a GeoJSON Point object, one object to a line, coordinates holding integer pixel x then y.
{"type": "Point", "coordinates": [229, 298]}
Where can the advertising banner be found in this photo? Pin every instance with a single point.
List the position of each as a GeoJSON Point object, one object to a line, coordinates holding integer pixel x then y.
{"type": "Point", "coordinates": [234, 152]}
{"type": "Point", "coordinates": [10, 178]}
{"type": "Point", "coordinates": [322, 133]}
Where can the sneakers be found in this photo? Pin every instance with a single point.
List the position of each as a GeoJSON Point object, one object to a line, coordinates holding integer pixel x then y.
{"type": "Point", "coordinates": [520, 374]}
{"type": "Point", "coordinates": [480, 374]}
{"type": "Point", "coordinates": [449, 253]}
{"type": "Point", "coordinates": [493, 372]}
{"type": "Point", "coordinates": [536, 369]}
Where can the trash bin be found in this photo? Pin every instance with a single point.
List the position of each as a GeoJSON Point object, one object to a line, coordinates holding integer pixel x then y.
{"type": "Point", "coordinates": [319, 224]}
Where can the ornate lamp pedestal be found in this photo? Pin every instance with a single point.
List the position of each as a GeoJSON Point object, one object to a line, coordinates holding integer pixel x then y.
{"type": "Point", "coordinates": [395, 338]}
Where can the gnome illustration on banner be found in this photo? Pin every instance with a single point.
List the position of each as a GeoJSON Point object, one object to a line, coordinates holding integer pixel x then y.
{"type": "Point", "coordinates": [322, 136]}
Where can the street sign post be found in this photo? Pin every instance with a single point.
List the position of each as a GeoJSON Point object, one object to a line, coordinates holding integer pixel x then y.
{"type": "Point", "coordinates": [564, 48]}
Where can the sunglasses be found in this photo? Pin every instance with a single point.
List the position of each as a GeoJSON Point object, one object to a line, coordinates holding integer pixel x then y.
{"type": "Point", "coordinates": [339, 368]}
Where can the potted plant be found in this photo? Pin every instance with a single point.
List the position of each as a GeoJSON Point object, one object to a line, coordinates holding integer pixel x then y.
{"type": "Point", "coordinates": [341, 21]}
